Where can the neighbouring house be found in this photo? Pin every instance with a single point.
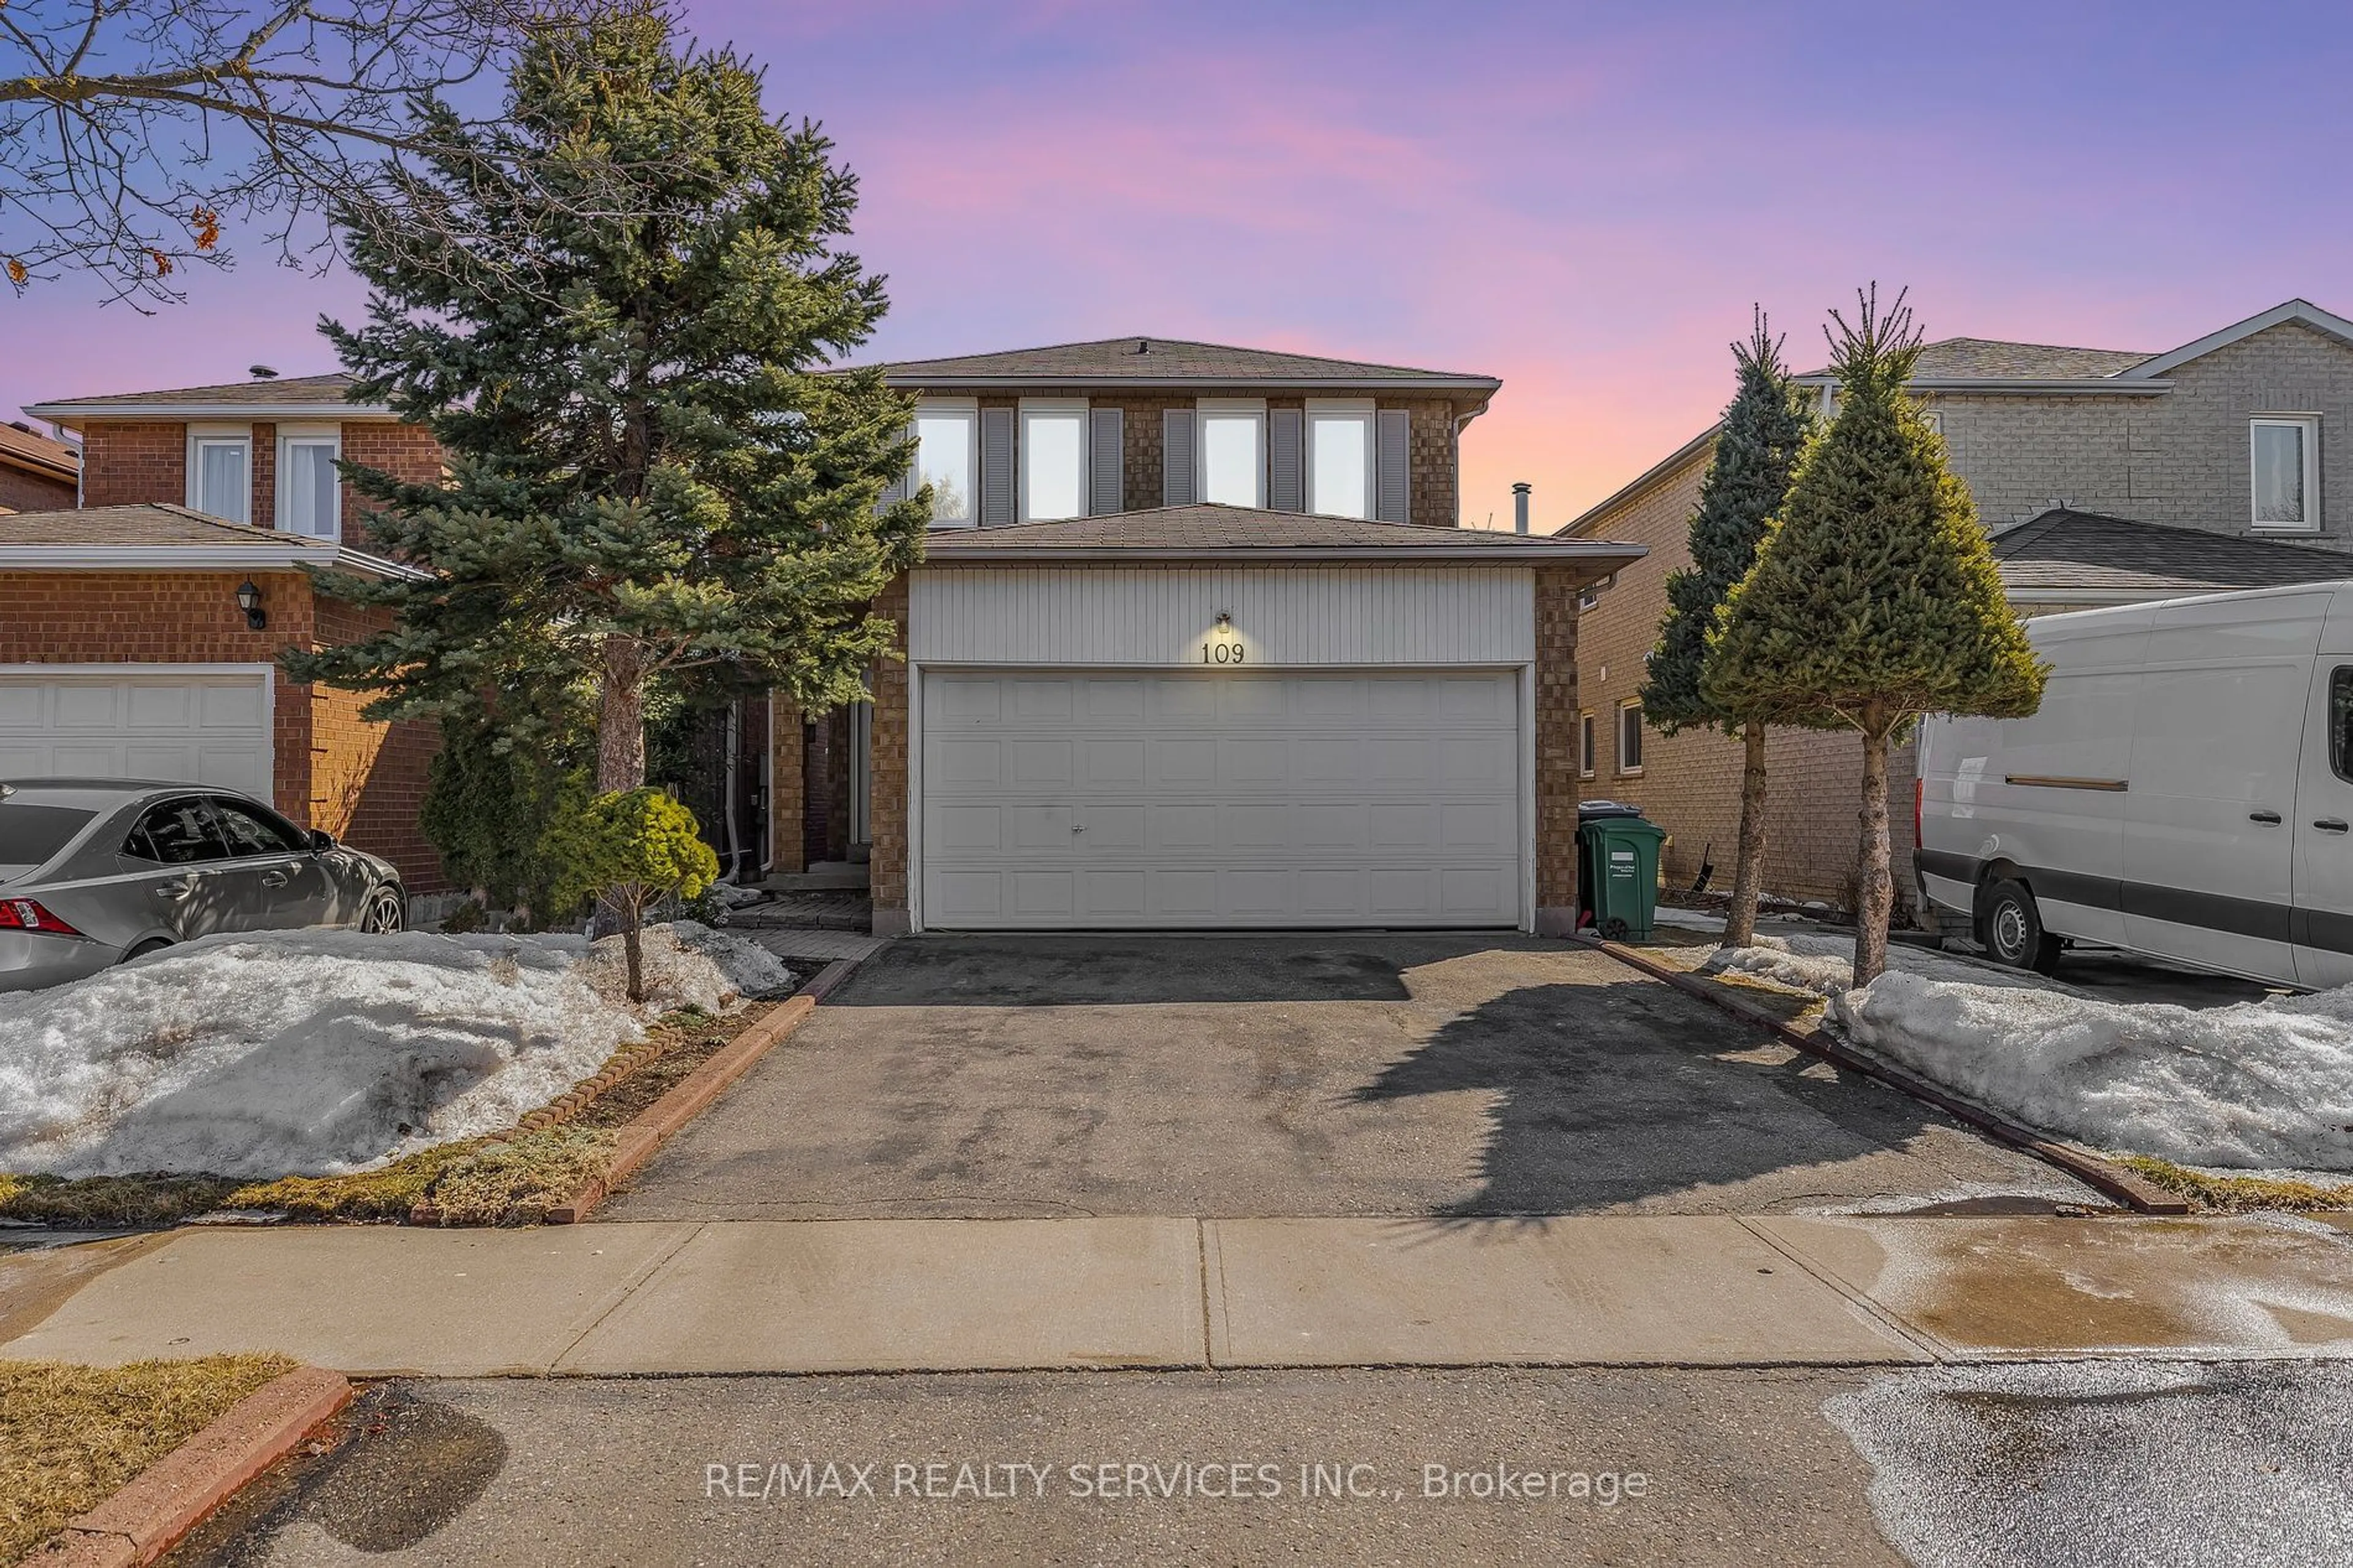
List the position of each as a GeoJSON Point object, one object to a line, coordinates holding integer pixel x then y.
{"type": "Point", "coordinates": [36, 474]}
{"type": "Point", "coordinates": [1199, 643]}
{"type": "Point", "coordinates": [139, 632]}
{"type": "Point", "coordinates": [2105, 476]}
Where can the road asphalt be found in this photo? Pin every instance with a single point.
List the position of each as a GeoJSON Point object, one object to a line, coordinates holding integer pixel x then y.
{"type": "Point", "coordinates": [2053, 1466]}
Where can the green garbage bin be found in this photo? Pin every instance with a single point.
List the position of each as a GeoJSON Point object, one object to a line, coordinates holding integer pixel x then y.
{"type": "Point", "coordinates": [1618, 871]}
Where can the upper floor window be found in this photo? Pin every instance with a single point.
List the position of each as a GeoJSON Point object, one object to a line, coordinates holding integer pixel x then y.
{"type": "Point", "coordinates": [1586, 758]}
{"type": "Point", "coordinates": [947, 458]}
{"type": "Point", "coordinates": [1340, 459]}
{"type": "Point", "coordinates": [220, 473]}
{"type": "Point", "coordinates": [310, 491]}
{"type": "Point", "coordinates": [2285, 450]}
{"type": "Point", "coordinates": [1233, 454]}
{"type": "Point", "coordinates": [1053, 460]}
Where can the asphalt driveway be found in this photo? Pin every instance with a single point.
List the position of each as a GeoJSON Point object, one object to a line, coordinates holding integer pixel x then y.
{"type": "Point", "coordinates": [1311, 1075]}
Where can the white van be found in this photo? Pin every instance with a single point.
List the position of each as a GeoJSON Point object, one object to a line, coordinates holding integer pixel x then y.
{"type": "Point", "coordinates": [2186, 791]}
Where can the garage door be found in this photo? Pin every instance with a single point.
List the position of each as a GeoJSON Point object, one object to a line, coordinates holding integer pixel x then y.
{"type": "Point", "coordinates": [1106, 800]}
{"type": "Point", "coordinates": [145, 723]}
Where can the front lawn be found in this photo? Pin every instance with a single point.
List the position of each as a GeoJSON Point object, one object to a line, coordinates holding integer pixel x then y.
{"type": "Point", "coordinates": [71, 1437]}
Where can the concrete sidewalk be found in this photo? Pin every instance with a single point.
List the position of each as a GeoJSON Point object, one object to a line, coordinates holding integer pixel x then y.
{"type": "Point", "coordinates": [955, 1295]}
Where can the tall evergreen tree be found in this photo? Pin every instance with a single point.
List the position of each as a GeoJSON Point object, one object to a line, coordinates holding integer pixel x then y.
{"type": "Point", "coordinates": [613, 311]}
{"type": "Point", "coordinates": [1765, 428]}
{"type": "Point", "coordinates": [1873, 596]}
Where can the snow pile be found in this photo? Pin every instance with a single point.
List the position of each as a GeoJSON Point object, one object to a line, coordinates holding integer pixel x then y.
{"type": "Point", "coordinates": [317, 1052]}
{"type": "Point", "coordinates": [682, 964]}
{"type": "Point", "coordinates": [1825, 965]}
{"type": "Point", "coordinates": [2251, 1085]}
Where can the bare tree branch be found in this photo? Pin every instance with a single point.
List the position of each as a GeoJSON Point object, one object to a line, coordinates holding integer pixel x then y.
{"type": "Point", "coordinates": [138, 137]}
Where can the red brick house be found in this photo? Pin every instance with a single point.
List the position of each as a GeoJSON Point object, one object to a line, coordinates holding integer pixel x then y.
{"type": "Point", "coordinates": [127, 648]}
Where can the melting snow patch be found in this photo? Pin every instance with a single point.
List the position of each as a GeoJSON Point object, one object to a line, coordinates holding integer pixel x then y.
{"type": "Point", "coordinates": [319, 1052]}
{"type": "Point", "coordinates": [2252, 1085]}
{"type": "Point", "coordinates": [1825, 965]}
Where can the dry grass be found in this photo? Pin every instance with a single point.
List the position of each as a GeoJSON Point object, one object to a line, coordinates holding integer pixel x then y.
{"type": "Point", "coordinates": [109, 1203]}
{"type": "Point", "coordinates": [2238, 1195]}
{"type": "Point", "coordinates": [479, 1180]}
{"type": "Point", "coordinates": [70, 1436]}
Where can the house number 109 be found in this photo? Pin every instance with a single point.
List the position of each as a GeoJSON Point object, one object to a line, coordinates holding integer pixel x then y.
{"type": "Point", "coordinates": [1221, 652]}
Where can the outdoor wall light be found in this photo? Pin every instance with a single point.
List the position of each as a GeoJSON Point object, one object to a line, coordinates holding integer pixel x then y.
{"type": "Point", "coordinates": [1226, 618]}
{"type": "Point", "coordinates": [249, 599]}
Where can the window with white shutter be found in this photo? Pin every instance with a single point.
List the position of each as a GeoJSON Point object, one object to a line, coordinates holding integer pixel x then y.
{"type": "Point", "coordinates": [1340, 459]}
{"type": "Point", "coordinates": [1053, 457]}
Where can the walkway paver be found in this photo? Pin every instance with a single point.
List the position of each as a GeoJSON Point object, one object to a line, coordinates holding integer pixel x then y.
{"type": "Point", "coordinates": [912, 1295]}
{"type": "Point", "coordinates": [1688, 1291]}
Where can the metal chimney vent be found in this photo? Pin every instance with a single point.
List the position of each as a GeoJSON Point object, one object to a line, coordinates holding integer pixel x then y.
{"type": "Point", "coordinates": [1520, 506]}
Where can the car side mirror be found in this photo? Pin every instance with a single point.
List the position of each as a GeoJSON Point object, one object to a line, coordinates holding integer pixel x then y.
{"type": "Point", "coordinates": [322, 841]}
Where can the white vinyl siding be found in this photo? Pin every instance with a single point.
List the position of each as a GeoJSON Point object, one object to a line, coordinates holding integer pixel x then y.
{"type": "Point", "coordinates": [947, 458]}
{"type": "Point", "coordinates": [2283, 457]}
{"type": "Point", "coordinates": [1053, 460]}
{"type": "Point", "coordinates": [310, 491]}
{"type": "Point", "coordinates": [1158, 799]}
{"type": "Point", "coordinates": [220, 473]}
{"type": "Point", "coordinates": [1340, 459]}
{"type": "Point", "coordinates": [1283, 616]}
{"type": "Point", "coordinates": [1233, 453]}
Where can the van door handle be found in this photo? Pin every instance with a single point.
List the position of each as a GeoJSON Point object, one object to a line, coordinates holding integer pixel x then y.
{"type": "Point", "coordinates": [2330, 824]}
{"type": "Point", "coordinates": [2271, 816]}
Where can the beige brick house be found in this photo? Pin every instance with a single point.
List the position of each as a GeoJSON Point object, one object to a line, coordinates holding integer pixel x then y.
{"type": "Point", "coordinates": [1199, 643]}
{"type": "Point", "coordinates": [2105, 476]}
{"type": "Point", "coordinates": [127, 646]}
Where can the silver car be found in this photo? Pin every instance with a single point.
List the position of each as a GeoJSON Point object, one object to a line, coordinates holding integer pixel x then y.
{"type": "Point", "coordinates": [93, 871]}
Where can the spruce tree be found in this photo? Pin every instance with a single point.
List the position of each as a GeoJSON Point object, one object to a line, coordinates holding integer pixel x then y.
{"type": "Point", "coordinates": [1757, 445]}
{"type": "Point", "coordinates": [1873, 598]}
{"type": "Point", "coordinates": [614, 310]}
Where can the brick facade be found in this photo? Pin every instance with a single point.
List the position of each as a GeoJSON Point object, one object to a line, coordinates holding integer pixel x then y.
{"type": "Point", "coordinates": [127, 462]}
{"type": "Point", "coordinates": [405, 451]}
{"type": "Point", "coordinates": [1556, 724]}
{"type": "Point", "coordinates": [886, 809]}
{"type": "Point", "coordinates": [788, 781]}
{"type": "Point", "coordinates": [2180, 459]}
{"type": "Point", "coordinates": [22, 489]}
{"type": "Point", "coordinates": [357, 780]}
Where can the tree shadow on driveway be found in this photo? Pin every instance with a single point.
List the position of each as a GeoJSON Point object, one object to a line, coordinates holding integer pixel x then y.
{"type": "Point", "coordinates": [1626, 1092]}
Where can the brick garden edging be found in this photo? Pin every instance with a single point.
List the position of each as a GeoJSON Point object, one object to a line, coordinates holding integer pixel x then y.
{"type": "Point", "coordinates": [174, 1495]}
{"type": "Point", "coordinates": [640, 1137]}
{"type": "Point", "coordinates": [2087, 1167]}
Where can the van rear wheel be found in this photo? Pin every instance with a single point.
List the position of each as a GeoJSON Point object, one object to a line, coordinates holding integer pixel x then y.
{"type": "Point", "coordinates": [2010, 927]}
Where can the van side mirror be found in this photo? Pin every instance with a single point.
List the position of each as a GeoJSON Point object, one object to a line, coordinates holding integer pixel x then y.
{"type": "Point", "coordinates": [322, 841]}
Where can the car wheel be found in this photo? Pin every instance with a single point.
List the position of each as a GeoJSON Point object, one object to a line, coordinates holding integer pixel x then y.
{"type": "Point", "coordinates": [2010, 927]}
{"type": "Point", "coordinates": [386, 912]}
{"type": "Point", "coordinates": [153, 944]}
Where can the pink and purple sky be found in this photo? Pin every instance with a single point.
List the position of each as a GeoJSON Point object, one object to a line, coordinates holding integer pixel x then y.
{"type": "Point", "coordinates": [1582, 199]}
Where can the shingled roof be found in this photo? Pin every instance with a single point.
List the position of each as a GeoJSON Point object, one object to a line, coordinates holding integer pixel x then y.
{"type": "Point", "coordinates": [30, 449]}
{"type": "Point", "coordinates": [156, 535]}
{"type": "Point", "coordinates": [1185, 533]}
{"type": "Point", "coordinates": [1992, 359]}
{"type": "Point", "coordinates": [2078, 552]}
{"type": "Point", "coordinates": [146, 523]}
{"type": "Point", "coordinates": [1167, 360]}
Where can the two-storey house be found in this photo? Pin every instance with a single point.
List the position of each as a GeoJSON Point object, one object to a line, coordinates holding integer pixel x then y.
{"type": "Point", "coordinates": [2105, 476]}
{"type": "Point", "coordinates": [1197, 642]}
{"type": "Point", "coordinates": [140, 630]}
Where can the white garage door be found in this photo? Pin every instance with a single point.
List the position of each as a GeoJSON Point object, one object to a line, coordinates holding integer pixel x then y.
{"type": "Point", "coordinates": [137, 722]}
{"type": "Point", "coordinates": [1104, 800]}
